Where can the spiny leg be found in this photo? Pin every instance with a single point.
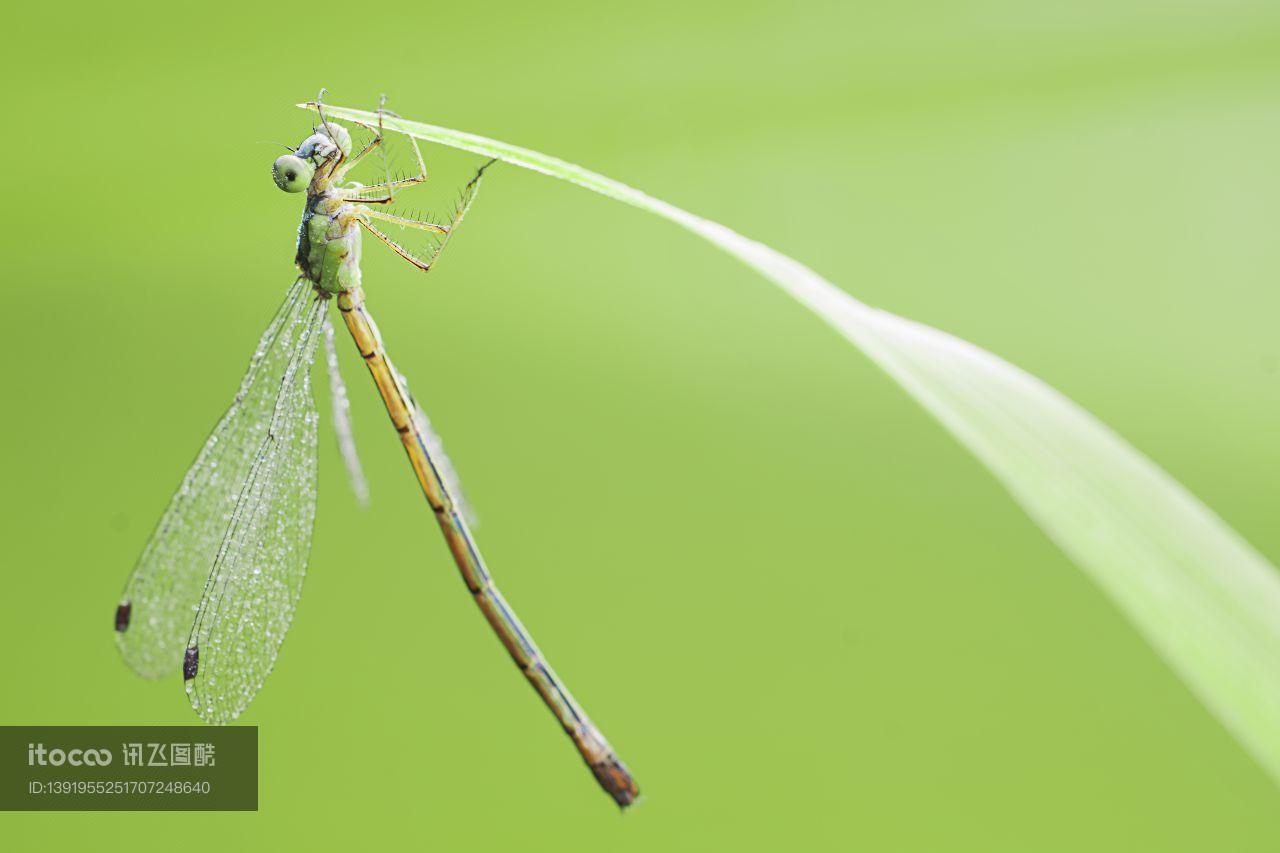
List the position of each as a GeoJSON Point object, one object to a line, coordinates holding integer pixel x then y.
{"type": "Point", "coordinates": [406, 222]}
{"type": "Point", "coordinates": [325, 125]}
{"type": "Point", "coordinates": [413, 142]}
{"type": "Point", "coordinates": [363, 219]}
{"type": "Point", "coordinates": [368, 146]}
{"type": "Point", "coordinates": [389, 185]}
{"type": "Point", "coordinates": [320, 106]}
{"type": "Point", "coordinates": [378, 136]}
{"type": "Point", "coordinates": [464, 204]}
{"type": "Point", "coordinates": [469, 192]}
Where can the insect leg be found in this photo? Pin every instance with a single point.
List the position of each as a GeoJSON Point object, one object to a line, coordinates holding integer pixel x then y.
{"type": "Point", "coordinates": [363, 219]}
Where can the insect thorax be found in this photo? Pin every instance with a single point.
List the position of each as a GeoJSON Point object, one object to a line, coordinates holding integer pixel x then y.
{"type": "Point", "coordinates": [329, 243]}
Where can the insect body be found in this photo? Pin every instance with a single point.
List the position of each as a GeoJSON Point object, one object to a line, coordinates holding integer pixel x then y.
{"type": "Point", "coordinates": [232, 546]}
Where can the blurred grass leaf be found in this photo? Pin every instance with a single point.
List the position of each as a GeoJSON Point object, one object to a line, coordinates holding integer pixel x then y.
{"type": "Point", "coordinates": [1207, 601]}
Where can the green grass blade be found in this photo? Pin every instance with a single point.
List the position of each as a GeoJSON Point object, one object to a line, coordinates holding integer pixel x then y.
{"type": "Point", "coordinates": [1202, 596]}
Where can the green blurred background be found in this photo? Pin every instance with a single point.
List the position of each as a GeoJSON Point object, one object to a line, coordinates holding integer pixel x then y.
{"type": "Point", "coordinates": [804, 616]}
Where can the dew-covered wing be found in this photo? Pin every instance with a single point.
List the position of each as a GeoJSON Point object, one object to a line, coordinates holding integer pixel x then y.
{"type": "Point", "coordinates": [251, 593]}
{"type": "Point", "coordinates": [156, 611]}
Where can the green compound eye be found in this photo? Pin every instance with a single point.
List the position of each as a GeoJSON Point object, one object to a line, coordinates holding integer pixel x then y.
{"type": "Point", "coordinates": [340, 135]}
{"type": "Point", "coordinates": [292, 174]}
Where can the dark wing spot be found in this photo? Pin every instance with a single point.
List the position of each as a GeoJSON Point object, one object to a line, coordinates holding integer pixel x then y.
{"type": "Point", "coordinates": [123, 613]}
{"type": "Point", "coordinates": [191, 664]}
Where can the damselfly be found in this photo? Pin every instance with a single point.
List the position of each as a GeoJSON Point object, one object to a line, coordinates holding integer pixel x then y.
{"type": "Point", "coordinates": [217, 584]}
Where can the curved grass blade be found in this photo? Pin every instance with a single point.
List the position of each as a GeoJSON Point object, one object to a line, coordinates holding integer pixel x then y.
{"type": "Point", "coordinates": [1206, 600]}
{"type": "Point", "coordinates": [158, 605]}
{"type": "Point", "coordinates": [249, 598]}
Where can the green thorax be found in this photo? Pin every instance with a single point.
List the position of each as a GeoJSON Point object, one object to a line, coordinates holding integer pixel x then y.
{"type": "Point", "coordinates": [329, 243]}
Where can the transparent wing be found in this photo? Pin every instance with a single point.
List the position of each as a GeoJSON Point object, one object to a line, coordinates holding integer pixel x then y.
{"type": "Point", "coordinates": [250, 596]}
{"type": "Point", "coordinates": [342, 419]}
{"type": "Point", "coordinates": [159, 601]}
{"type": "Point", "coordinates": [444, 465]}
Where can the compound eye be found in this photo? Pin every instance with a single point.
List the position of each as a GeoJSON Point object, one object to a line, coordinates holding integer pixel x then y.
{"type": "Point", "coordinates": [340, 135]}
{"type": "Point", "coordinates": [291, 173]}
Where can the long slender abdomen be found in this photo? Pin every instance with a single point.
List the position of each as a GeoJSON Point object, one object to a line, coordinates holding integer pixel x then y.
{"type": "Point", "coordinates": [611, 773]}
